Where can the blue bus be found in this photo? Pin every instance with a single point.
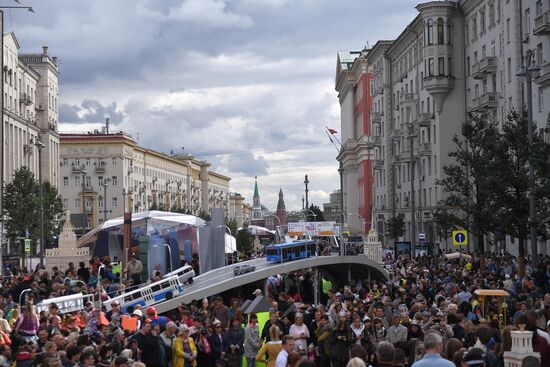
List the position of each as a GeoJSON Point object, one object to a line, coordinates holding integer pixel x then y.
{"type": "Point", "coordinates": [282, 252]}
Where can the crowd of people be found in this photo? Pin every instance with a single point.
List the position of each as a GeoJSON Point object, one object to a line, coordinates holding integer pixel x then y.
{"type": "Point", "coordinates": [427, 315]}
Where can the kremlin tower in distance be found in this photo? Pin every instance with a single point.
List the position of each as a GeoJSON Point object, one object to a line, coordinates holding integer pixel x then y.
{"type": "Point", "coordinates": [281, 210]}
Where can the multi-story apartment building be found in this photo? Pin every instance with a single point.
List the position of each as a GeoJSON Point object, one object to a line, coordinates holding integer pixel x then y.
{"type": "Point", "coordinates": [239, 210]}
{"type": "Point", "coordinates": [353, 83]}
{"type": "Point", "coordinates": [30, 111]}
{"type": "Point", "coordinates": [454, 57]}
{"type": "Point", "coordinates": [112, 172]}
{"type": "Point", "coordinates": [331, 210]}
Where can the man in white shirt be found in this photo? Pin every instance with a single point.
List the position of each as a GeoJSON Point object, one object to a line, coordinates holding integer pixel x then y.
{"type": "Point", "coordinates": [288, 346]}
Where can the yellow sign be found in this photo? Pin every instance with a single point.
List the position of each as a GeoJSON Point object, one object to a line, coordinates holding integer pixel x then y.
{"type": "Point", "coordinates": [460, 238]}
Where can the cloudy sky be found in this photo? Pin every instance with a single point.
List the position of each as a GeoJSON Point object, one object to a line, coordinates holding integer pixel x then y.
{"type": "Point", "coordinates": [245, 84]}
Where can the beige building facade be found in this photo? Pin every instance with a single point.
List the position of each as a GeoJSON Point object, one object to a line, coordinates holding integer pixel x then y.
{"type": "Point", "coordinates": [454, 57]}
{"type": "Point", "coordinates": [30, 111]}
{"type": "Point", "coordinates": [112, 172]}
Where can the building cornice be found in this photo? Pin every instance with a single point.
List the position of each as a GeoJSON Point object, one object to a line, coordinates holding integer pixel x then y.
{"type": "Point", "coordinates": [469, 6]}
{"type": "Point", "coordinates": [413, 30]}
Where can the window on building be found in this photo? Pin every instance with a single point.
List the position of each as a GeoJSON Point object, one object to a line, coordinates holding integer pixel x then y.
{"type": "Point", "coordinates": [474, 28]}
{"type": "Point", "coordinates": [449, 32]}
{"type": "Point", "coordinates": [65, 162]}
{"type": "Point", "coordinates": [77, 203]}
{"type": "Point", "coordinates": [114, 161]}
{"type": "Point", "coordinates": [65, 181]}
{"type": "Point", "coordinates": [87, 161]}
{"type": "Point", "coordinates": [100, 180]}
{"type": "Point", "coordinates": [527, 30]}
{"type": "Point", "coordinates": [114, 180]}
{"type": "Point", "coordinates": [491, 13]}
{"type": "Point", "coordinates": [77, 181]}
{"type": "Point", "coordinates": [66, 204]}
{"type": "Point", "coordinates": [431, 66]}
{"type": "Point", "coordinates": [493, 48]}
{"type": "Point", "coordinates": [508, 30]}
{"type": "Point", "coordinates": [509, 69]}
{"type": "Point", "coordinates": [449, 67]}
{"type": "Point", "coordinates": [538, 7]}
{"type": "Point", "coordinates": [115, 202]}
{"type": "Point", "coordinates": [466, 33]}
{"type": "Point", "coordinates": [430, 32]}
{"type": "Point", "coordinates": [100, 201]}
{"type": "Point", "coordinates": [541, 100]}
{"type": "Point", "coordinates": [499, 10]}
{"type": "Point", "coordinates": [538, 55]}
{"type": "Point", "coordinates": [441, 66]}
{"type": "Point", "coordinates": [440, 31]}
{"type": "Point", "coordinates": [482, 21]}
{"type": "Point", "coordinates": [468, 66]}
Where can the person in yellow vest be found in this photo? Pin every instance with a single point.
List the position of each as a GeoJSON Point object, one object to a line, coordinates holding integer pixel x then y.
{"type": "Point", "coordinates": [117, 267]}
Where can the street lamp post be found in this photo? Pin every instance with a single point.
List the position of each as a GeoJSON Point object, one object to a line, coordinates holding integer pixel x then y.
{"type": "Point", "coordinates": [40, 145]}
{"type": "Point", "coordinates": [84, 173]}
{"type": "Point", "coordinates": [411, 137]}
{"type": "Point", "coordinates": [527, 70]}
{"type": "Point", "coordinates": [277, 228]}
{"type": "Point", "coordinates": [306, 182]}
{"type": "Point", "coordinates": [104, 184]}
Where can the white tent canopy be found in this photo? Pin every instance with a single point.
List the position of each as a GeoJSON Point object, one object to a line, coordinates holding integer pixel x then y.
{"type": "Point", "coordinates": [153, 216]}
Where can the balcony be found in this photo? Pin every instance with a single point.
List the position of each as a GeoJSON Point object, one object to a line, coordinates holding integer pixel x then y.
{"type": "Point", "coordinates": [409, 97]}
{"type": "Point", "coordinates": [89, 188]}
{"type": "Point", "coordinates": [542, 25]}
{"type": "Point", "coordinates": [486, 101]}
{"type": "Point", "coordinates": [24, 98]}
{"type": "Point", "coordinates": [544, 76]}
{"type": "Point", "coordinates": [100, 169]}
{"type": "Point", "coordinates": [439, 84]}
{"type": "Point", "coordinates": [77, 169]}
{"type": "Point", "coordinates": [487, 65]}
{"type": "Point", "coordinates": [424, 119]}
{"type": "Point", "coordinates": [425, 149]}
{"type": "Point", "coordinates": [376, 118]}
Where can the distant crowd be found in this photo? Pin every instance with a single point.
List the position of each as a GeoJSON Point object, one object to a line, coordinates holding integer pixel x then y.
{"type": "Point", "coordinates": [428, 315]}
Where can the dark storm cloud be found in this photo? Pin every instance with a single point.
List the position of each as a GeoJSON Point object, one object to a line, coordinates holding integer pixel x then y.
{"type": "Point", "coordinates": [90, 111]}
{"type": "Point", "coordinates": [248, 164]}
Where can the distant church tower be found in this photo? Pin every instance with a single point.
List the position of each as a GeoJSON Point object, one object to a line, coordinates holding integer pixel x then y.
{"type": "Point", "coordinates": [281, 210]}
{"type": "Point", "coordinates": [257, 215]}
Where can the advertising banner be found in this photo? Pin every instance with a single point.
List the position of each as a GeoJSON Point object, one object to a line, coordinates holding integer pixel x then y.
{"type": "Point", "coordinates": [326, 228]}
{"type": "Point", "coordinates": [311, 229]}
{"type": "Point", "coordinates": [296, 228]}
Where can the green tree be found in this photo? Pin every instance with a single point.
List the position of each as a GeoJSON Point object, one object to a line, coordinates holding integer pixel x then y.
{"type": "Point", "coordinates": [513, 201]}
{"type": "Point", "coordinates": [22, 207]}
{"type": "Point", "coordinates": [232, 224]}
{"type": "Point", "coordinates": [204, 215]}
{"type": "Point", "coordinates": [395, 226]}
{"type": "Point", "coordinates": [245, 241]}
{"type": "Point", "coordinates": [469, 182]}
{"type": "Point", "coordinates": [318, 217]}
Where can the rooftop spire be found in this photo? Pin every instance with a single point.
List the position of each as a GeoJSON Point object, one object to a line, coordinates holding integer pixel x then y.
{"type": "Point", "coordinates": [281, 203]}
{"type": "Point", "coordinates": [256, 192]}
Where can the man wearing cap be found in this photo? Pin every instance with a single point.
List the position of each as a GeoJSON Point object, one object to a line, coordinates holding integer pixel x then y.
{"type": "Point", "coordinates": [156, 319]}
{"type": "Point", "coordinates": [433, 345]}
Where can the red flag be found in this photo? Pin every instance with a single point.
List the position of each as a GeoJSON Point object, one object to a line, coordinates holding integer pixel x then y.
{"type": "Point", "coordinates": [332, 131]}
